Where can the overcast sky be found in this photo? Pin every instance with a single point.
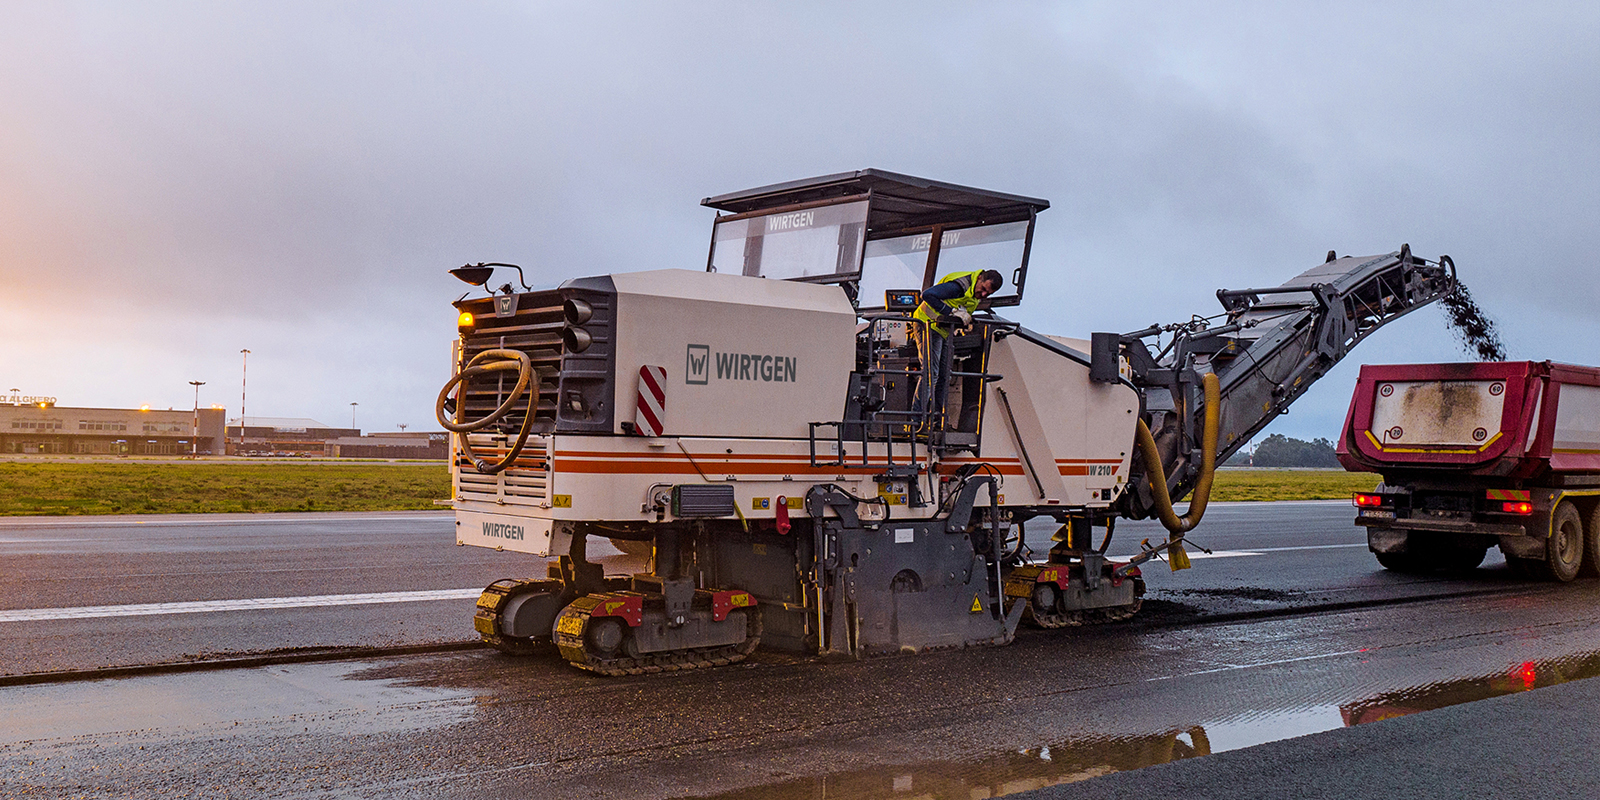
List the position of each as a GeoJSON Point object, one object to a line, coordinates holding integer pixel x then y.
{"type": "Point", "coordinates": [179, 181]}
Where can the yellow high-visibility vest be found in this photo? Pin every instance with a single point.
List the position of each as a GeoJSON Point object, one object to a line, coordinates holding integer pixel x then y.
{"type": "Point", "coordinates": [968, 301]}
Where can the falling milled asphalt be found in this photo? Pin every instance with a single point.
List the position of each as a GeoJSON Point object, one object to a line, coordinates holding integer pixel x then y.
{"type": "Point", "coordinates": [1289, 630]}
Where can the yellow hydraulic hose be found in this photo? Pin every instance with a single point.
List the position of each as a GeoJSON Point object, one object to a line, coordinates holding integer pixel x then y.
{"type": "Point", "coordinates": [509, 360]}
{"type": "Point", "coordinates": [1175, 524]}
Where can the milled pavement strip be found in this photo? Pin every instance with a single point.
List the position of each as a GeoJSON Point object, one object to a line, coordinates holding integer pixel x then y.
{"type": "Point", "coordinates": [352, 653]}
{"type": "Point", "coordinates": [253, 604]}
{"type": "Point", "coordinates": [370, 598]}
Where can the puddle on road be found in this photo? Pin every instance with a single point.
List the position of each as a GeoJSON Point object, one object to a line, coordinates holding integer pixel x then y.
{"type": "Point", "coordinates": [1516, 678]}
{"type": "Point", "coordinates": [1035, 768]}
{"type": "Point", "coordinates": [1078, 759]}
{"type": "Point", "coordinates": [321, 698]}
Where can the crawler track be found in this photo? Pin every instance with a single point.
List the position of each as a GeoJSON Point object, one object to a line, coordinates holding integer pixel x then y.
{"type": "Point", "coordinates": [575, 648]}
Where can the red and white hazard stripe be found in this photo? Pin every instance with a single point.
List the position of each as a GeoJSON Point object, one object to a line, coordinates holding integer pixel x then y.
{"type": "Point", "coordinates": [651, 410]}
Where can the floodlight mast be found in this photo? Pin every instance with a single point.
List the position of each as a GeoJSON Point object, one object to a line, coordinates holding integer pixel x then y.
{"type": "Point", "coordinates": [194, 431]}
{"type": "Point", "coordinates": [244, 374]}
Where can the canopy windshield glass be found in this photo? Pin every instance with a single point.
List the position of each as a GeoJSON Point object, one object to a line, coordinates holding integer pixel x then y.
{"type": "Point", "coordinates": [820, 242]}
{"type": "Point", "coordinates": [901, 262]}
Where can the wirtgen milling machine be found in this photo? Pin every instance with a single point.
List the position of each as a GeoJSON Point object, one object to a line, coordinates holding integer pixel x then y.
{"type": "Point", "coordinates": [758, 424]}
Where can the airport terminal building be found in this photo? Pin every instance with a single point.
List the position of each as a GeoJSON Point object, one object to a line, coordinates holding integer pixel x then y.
{"type": "Point", "coordinates": [298, 436]}
{"type": "Point", "coordinates": [45, 428]}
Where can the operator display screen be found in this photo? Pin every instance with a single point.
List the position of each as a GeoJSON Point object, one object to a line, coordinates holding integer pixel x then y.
{"type": "Point", "coordinates": [901, 299]}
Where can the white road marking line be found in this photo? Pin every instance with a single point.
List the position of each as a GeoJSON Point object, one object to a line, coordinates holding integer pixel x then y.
{"type": "Point", "coordinates": [1259, 551]}
{"type": "Point", "coordinates": [1196, 554]}
{"type": "Point", "coordinates": [254, 604]}
{"type": "Point", "coordinates": [1310, 547]}
{"type": "Point", "coordinates": [201, 520]}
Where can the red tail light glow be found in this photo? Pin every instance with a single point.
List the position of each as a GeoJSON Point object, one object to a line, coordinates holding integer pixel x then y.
{"type": "Point", "coordinates": [1371, 500]}
{"type": "Point", "coordinates": [1517, 508]}
{"type": "Point", "coordinates": [1529, 673]}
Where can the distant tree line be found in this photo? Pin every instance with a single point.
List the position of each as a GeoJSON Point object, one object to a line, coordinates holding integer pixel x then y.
{"type": "Point", "coordinates": [1278, 450]}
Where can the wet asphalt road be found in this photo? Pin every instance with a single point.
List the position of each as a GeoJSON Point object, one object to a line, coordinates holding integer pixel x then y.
{"type": "Point", "coordinates": [1270, 557]}
{"type": "Point", "coordinates": [1050, 709]}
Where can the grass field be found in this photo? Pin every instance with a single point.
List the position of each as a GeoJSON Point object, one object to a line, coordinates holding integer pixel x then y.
{"type": "Point", "coordinates": [189, 488]}
{"type": "Point", "coordinates": [1290, 484]}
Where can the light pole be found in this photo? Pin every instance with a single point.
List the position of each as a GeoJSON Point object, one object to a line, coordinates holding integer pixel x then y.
{"type": "Point", "coordinates": [353, 416]}
{"type": "Point", "coordinates": [194, 435]}
{"type": "Point", "coordinates": [244, 373]}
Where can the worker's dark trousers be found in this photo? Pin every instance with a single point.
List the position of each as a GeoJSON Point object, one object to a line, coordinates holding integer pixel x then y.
{"type": "Point", "coordinates": [932, 389]}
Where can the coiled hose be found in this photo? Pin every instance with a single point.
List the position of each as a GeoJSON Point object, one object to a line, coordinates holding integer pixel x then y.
{"type": "Point", "coordinates": [1175, 524]}
{"type": "Point", "coordinates": [481, 364]}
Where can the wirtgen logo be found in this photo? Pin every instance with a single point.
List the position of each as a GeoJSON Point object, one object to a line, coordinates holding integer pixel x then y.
{"type": "Point", "coordinates": [698, 370]}
{"type": "Point", "coordinates": [737, 367]}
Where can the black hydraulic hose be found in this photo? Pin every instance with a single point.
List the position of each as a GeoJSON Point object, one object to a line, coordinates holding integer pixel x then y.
{"type": "Point", "coordinates": [509, 360]}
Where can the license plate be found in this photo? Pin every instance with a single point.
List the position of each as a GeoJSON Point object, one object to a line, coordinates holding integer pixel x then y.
{"type": "Point", "coordinates": [571, 626]}
{"type": "Point", "coordinates": [1377, 512]}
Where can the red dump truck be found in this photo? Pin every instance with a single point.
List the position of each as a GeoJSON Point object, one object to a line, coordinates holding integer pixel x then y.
{"type": "Point", "coordinates": [1477, 455]}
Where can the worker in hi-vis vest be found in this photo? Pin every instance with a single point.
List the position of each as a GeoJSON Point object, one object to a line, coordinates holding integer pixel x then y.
{"type": "Point", "coordinates": [947, 306]}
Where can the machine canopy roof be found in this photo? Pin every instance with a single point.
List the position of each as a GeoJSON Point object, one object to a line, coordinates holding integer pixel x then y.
{"type": "Point", "coordinates": [899, 202]}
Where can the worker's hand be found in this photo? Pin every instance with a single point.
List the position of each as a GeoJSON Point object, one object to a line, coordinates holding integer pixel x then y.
{"type": "Point", "coordinates": [965, 316]}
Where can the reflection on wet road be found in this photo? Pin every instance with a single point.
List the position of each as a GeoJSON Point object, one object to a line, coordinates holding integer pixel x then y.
{"type": "Point", "coordinates": [289, 699]}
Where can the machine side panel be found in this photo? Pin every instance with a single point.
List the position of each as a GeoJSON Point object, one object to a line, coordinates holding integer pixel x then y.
{"type": "Point", "coordinates": [1078, 434]}
{"type": "Point", "coordinates": [744, 357]}
{"type": "Point", "coordinates": [518, 532]}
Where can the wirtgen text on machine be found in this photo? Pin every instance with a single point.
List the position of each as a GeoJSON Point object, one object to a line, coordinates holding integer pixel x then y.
{"type": "Point", "coordinates": [500, 530]}
{"type": "Point", "coordinates": [738, 366]}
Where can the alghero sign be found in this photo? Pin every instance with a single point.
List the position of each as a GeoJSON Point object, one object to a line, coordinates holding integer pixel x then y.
{"type": "Point", "coordinates": [25, 400]}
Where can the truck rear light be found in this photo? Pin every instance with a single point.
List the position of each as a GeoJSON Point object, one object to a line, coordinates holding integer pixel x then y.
{"type": "Point", "coordinates": [1517, 508]}
{"type": "Point", "coordinates": [1368, 500]}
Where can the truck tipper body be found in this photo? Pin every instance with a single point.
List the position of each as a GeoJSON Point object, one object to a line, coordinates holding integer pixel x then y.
{"type": "Point", "coordinates": [1479, 455]}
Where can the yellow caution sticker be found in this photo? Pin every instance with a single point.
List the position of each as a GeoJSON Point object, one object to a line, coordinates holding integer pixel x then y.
{"type": "Point", "coordinates": [977, 604]}
{"type": "Point", "coordinates": [796, 502]}
{"type": "Point", "coordinates": [760, 503]}
{"type": "Point", "coordinates": [561, 501]}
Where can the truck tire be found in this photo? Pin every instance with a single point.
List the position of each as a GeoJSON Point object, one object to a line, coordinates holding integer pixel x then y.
{"type": "Point", "coordinates": [1564, 551]}
{"type": "Point", "coordinates": [1403, 562]}
{"type": "Point", "coordinates": [1460, 559]}
{"type": "Point", "coordinates": [1591, 544]}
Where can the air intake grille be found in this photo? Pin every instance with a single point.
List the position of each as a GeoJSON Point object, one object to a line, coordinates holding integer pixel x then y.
{"type": "Point", "coordinates": [525, 482]}
{"type": "Point", "coordinates": [534, 329]}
